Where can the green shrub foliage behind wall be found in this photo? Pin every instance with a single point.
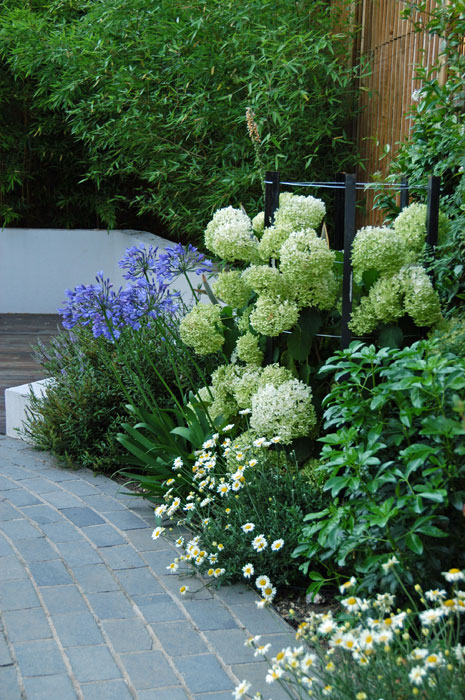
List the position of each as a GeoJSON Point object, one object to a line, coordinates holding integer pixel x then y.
{"type": "Point", "coordinates": [150, 99]}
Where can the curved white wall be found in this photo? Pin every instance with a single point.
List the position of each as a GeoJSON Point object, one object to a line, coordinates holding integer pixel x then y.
{"type": "Point", "coordinates": [37, 265]}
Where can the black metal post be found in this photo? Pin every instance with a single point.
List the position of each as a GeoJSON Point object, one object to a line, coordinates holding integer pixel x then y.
{"type": "Point", "coordinates": [338, 237]}
{"type": "Point", "coordinates": [404, 193]}
{"type": "Point", "coordinates": [432, 210]}
{"type": "Point", "coordinates": [349, 233]}
{"type": "Point", "coordinates": [271, 196]}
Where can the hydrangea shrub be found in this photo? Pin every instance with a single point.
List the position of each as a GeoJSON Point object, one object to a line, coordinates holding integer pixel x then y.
{"type": "Point", "coordinates": [387, 265]}
{"type": "Point", "coordinates": [270, 277]}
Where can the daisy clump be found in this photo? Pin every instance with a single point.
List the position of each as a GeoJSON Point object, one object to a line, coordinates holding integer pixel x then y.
{"type": "Point", "coordinates": [244, 510]}
{"type": "Point", "coordinates": [375, 650]}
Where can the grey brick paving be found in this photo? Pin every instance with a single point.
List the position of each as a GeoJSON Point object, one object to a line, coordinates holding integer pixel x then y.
{"type": "Point", "coordinates": [88, 609]}
{"type": "Point", "coordinates": [93, 663]}
{"type": "Point", "coordinates": [47, 687]}
{"type": "Point", "coordinates": [39, 658]}
{"type": "Point", "coordinates": [9, 683]}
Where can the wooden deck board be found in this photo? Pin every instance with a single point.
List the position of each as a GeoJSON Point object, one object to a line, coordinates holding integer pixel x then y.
{"type": "Point", "coordinates": [18, 332]}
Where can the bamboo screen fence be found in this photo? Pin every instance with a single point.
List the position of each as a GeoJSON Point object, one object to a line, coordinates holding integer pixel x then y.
{"type": "Point", "coordinates": [393, 49]}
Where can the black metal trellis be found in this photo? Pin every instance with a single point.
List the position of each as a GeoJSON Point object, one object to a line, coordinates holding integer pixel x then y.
{"type": "Point", "coordinates": [345, 186]}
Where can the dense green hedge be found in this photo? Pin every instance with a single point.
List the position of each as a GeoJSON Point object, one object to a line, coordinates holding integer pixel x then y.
{"type": "Point", "coordinates": [140, 104]}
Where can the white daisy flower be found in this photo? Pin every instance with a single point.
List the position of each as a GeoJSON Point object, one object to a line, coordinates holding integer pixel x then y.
{"type": "Point", "coordinates": [241, 689]}
{"type": "Point", "coordinates": [248, 527]}
{"type": "Point", "coordinates": [262, 581]}
{"type": "Point", "coordinates": [248, 570]}
{"type": "Point", "coordinates": [259, 543]}
{"type": "Point", "coordinates": [453, 575]}
{"type": "Point", "coordinates": [277, 545]}
{"type": "Point", "coordinates": [157, 532]}
{"type": "Point", "coordinates": [223, 489]}
{"type": "Point", "coordinates": [230, 426]}
{"type": "Point", "coordinates": [178, 463]}
{"type": "Point", "coordinates": [389, 563]}
{"type": "Point", "coordinates": [348, 584]}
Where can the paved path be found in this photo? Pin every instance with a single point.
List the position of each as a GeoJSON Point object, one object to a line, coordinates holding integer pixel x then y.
{"type": "Point", "coordinates": [88, 609]}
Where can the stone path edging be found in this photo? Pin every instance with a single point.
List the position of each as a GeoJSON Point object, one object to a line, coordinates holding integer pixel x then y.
{"type": "Point", "coordinates": [88, 610]}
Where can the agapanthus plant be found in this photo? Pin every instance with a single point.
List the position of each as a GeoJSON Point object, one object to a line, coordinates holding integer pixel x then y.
{"type": "Point", "coordinates": [147, 295]}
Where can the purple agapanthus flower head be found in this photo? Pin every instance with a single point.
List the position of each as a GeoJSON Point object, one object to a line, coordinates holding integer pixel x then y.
{"type": "Point", "coordinates": [146, 297]}
{"type": "Point", "coordinates": [179, 260]}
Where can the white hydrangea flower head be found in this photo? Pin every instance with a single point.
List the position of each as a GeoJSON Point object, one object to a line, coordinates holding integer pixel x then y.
{"type": "Point", "coordinates": [230, 236]}
{"type": "Point", "coordinates": [421, 301]}
{"type": "Point", "coordinates": [266, 280]}
{"type": "Point", "coordinates": [273, 316]}
{"type": "Point", "coordinates": [379, 248]}
{"type": "Point", "coordinates": [201, 329]}
{"type": "Point", "coordinates": [307, 266]}
{"type": "Point", "coordinates": [410, 224]}
{"type": "Point", "coordinates": [232, 289]}
{"type": "Point", "coordinates": [286, 410]}
{"type": "Point", "coordinates": [248, 349]}
{"type": "Point", "coordinates": [258, 223]}
{"type": "Point", "coordinates": [299, 211]}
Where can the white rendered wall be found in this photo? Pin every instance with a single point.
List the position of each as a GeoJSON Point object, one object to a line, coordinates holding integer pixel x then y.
{"type": "Point", "coordinates": [37, 265]}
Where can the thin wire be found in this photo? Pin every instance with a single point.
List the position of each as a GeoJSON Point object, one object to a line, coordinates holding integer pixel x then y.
{"type": "Point", "coordinates": [358, 185]}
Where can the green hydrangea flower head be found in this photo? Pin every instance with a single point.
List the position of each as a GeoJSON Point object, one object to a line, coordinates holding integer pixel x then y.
{"type": "Point", "coordinates": [272, 241]}
{"type": "Point", "coordinates": [266, 280]}
{"type": "Point", "coordinates": [299, 211]}
{"type": "Point", "coordinates": [307, 265]}
{"type": "Point", "coordinates": [363, 319]}
{"type": "Point", "coordinates": [242, 321]}
{"type": "Point", "coordinates": [386, 296]}
{"type": "Point", "coordinates": [286, 411]}
{"type": "Point", "coordinates": [410, 224]}
{"type": "Point", "coordinates": [272, 316]}
{"type": "Point", "coordinates": [202, 329]}
{"type": "Point", "coordinates": [223, 380]}
{"type": "Point", "coordinates": [421, 301]}
{"type": "Point", "coordinates": [258, 223]}
{"type": "Point", "coordinates": [232, 289]}
{"type": "Point", "coordinates": [246, 386]}
{"type": "Point", "coordinates": [230, 236]}
{"type": "Point", "coordinates": [248, 350]}
{"type": "Point", "coordinates": [379, 248]}
{"type": "Point", "coordinates": [275, 374]}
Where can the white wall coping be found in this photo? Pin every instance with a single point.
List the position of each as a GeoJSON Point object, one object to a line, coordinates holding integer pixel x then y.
{"type": "Point", "coordinates": [17, 402]}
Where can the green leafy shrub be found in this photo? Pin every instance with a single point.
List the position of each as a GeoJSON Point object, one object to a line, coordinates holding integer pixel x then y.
{"type": "Point", "coordinates": [394, 465]}
{"type": "Point", "coordinates": [153, 96]}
